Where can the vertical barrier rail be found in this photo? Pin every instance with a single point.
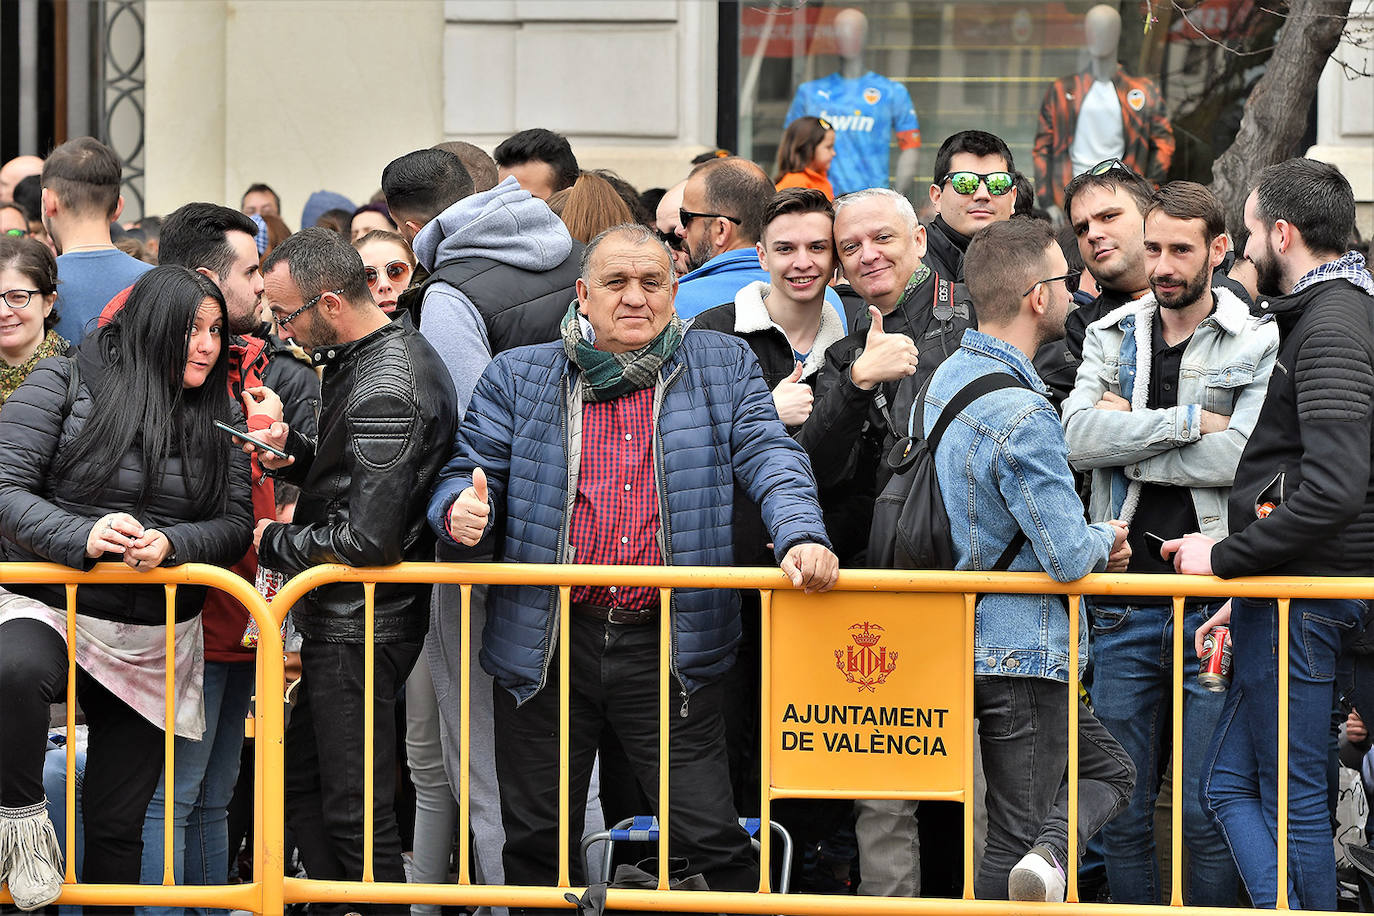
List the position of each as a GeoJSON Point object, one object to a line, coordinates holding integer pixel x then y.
{"type": "Point", "coordinates": [1281, 900]}
{"type": "Point", "coordinates": [263, 894]}
{"type": "Point", "coordinates": [564, 730]}
{"type": "Point", "coordinates": [369, 726]}
{"type": "Point", "coordinates": [271, 890]}
{"type": "Point", "coordinates": [169, 733]}
{"type": "Point", "coordinates": [970, 736]}
{"type": "Point", "coordinates": [665, 677]}
{"type": "Point", "coordinates": [1071, 867]}
{"type": "Point", "coordinates": [765, 746]}
{"type": "Point", "coordinates": [1176, 759]}
{"type": "Point", "coordinates": [69, 783]}
{"type": "Point", "coordinates": [465, 736]}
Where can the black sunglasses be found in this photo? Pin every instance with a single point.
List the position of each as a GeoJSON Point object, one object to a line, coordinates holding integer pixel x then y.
{"type": "Point", "coordinates": [671, 239]}
{"type": "Point", "coordinates": [686, 216]}
{"type": "Point", "coordinates": [1070, 282]}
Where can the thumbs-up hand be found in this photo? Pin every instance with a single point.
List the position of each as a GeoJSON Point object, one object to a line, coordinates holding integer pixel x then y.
{"type": "Point", "coordinates": [886, 357]}
{"type": "Point", "coordinates": [793, 399]}
{"type": "Point", "coordinates": [467, 517]}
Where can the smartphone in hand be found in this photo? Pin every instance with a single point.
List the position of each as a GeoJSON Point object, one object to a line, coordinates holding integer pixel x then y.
{"type": "Point", "coordinates": [1155, 544]}
{"type": "Point", "coordinates": [256, 443]}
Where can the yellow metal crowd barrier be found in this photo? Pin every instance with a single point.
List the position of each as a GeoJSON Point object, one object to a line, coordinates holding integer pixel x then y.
{"type": "Point", "coordinates": [927, 619]}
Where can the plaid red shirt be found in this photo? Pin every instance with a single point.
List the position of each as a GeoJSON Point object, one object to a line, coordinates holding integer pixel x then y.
{"type": "Point", "coordinates": [615, 516]}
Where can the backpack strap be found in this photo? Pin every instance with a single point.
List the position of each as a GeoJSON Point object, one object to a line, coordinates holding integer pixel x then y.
{"type": "Point", "coordinates": [984, 384]}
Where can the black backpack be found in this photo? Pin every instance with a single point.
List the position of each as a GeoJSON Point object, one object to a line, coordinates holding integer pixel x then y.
{"type": "Point", "coordinates": [910, 526]}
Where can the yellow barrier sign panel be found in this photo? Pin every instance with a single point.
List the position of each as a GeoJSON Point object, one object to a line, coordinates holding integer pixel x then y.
{"type": "Point", "coordinates": [867, 693]}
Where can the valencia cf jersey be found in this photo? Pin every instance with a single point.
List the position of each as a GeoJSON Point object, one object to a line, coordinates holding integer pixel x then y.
{"type": "Point", "coordinates": [865, 114]}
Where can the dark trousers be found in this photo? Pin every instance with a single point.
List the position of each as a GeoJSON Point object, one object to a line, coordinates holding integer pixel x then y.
{"type": "Point", "coordinates": [1023, 727]}
{"type": "Point", "coordinates": [324, 764]}
{"type": "Point", "coordinates": [614, 681]}
{"type": "Point", "coordinates": [123, 758]}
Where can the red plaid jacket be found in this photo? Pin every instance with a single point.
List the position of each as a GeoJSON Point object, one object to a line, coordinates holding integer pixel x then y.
{"type": "Point", "coordinates": [1145, 122]}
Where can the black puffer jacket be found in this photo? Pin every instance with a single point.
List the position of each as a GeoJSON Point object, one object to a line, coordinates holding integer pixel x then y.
{"type": "Point", "coordinates": [40, 520]}
{"type": "Point", "coordinates": [945, 249]}
{"type": "Point", "coordinates": [1312, 451]}
{"type": "Point", "coordinates": [387, 417]}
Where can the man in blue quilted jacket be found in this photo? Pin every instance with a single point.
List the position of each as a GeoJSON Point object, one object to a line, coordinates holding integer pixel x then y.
{"type": "Point", "coordinates": [621, 444]}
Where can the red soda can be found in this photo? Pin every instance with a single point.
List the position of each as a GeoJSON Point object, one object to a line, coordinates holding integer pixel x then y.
{"type": "Point", "coordinates": [1214, 668]}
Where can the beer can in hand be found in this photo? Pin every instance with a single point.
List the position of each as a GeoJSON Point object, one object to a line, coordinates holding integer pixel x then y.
{"type": "Point", "coordinates": [1214, 668]}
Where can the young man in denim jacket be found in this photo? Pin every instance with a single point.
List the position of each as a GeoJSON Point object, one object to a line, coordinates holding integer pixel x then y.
{"type": "Point", "coordinates": [1169, 389]}
{"type": "Point", "coordinates": [1004, 471]}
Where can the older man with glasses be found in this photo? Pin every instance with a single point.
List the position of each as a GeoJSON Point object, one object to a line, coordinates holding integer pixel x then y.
{"type": "Point", "coordinates": [387, 416]}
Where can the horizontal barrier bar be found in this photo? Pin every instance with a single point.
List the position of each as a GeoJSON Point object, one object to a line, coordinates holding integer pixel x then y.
{"type": "Point", "coordinates": [263, 895]}
{"type": "Point", "coordinates": [271, 889]}
{"type": "Point", "coordinates": [853, 580]}
{"type": "Point", "coordinates": [300, 890]}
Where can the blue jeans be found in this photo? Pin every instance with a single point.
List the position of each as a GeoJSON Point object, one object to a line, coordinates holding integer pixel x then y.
{"type": "Point", "coordinates": [1240, 788]}
{"type": "Point", "coordinates": [206, 772]}
{"type": "Point", "coordinates": [1133, 652]}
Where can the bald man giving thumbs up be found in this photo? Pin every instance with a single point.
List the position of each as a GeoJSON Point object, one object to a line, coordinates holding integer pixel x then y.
{"type": "Point", "coordinates": [863, 402]}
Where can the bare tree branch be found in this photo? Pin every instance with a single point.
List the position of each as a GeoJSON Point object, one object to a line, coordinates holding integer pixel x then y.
{"type": "Point", "coordinates": [1272, 126]}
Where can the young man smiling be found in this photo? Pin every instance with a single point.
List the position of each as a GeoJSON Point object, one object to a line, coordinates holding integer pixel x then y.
{"type": "Point", "coordinates": [784, 319]}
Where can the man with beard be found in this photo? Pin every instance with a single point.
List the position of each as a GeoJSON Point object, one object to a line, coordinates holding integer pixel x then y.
{"type": "Point", "coordinates": [1302, 505]}
{"type": "Point", "coordinates": [387, 417]}
{"type": "Point", "coordinates": [720, 222]}
{"type": "Point", "coordinates": [1105, 206]}
{"type": "Point", "coordinates": [1163, 445]}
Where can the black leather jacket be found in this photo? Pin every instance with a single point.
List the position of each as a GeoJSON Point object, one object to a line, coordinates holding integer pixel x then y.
{"type": "Point", "coordinates": [387, 417]}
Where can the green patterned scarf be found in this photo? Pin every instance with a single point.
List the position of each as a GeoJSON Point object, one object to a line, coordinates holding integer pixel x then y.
{"type": "Point", "coordinates": [11, 377]}
{"type": "Point", "coordinates": [606, 376]}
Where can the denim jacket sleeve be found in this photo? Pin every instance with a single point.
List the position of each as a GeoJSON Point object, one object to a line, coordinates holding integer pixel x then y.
{"type": "Point", "coordinates": [1112, 438]}
{"type": "Point", "coordinates": [1211, 461]}
{"type": "Point", "coordinates": [1037, 486]}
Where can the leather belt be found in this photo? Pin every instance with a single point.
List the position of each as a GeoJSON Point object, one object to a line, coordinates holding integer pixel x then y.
{"type": "Point", "coordinates": [619, 615]}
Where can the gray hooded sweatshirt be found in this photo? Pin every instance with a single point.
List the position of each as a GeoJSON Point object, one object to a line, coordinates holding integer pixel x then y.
{"type": "Point", "coordinates": [506, 224]}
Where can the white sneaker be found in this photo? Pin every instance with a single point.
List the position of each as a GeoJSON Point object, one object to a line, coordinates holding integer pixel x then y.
{"type": "Point", "coordinates": [30, 855]}
{"type": "Point", "coordinates": [1038, 876]}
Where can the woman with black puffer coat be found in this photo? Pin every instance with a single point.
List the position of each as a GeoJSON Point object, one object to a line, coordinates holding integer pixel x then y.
{"type": "Point", "coordinates": [112, 454]}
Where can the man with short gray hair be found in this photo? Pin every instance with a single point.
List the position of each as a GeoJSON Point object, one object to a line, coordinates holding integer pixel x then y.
{"type": "Point", "coordinates": [862, 402]}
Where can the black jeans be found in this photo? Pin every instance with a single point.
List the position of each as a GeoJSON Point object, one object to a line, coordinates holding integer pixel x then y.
{"type": "Point", "coordinates": [123, 757]}
{"type": "Point", "coordinates": [1023, 725]}
{"type": "Point", "coordinates": [614, 681]}
{"type": "Point", "coordinates": [324, 765]}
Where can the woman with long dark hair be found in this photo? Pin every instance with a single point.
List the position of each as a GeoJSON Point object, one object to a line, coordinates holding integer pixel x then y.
{"type": "Point", "coordinates": [112, 454]}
